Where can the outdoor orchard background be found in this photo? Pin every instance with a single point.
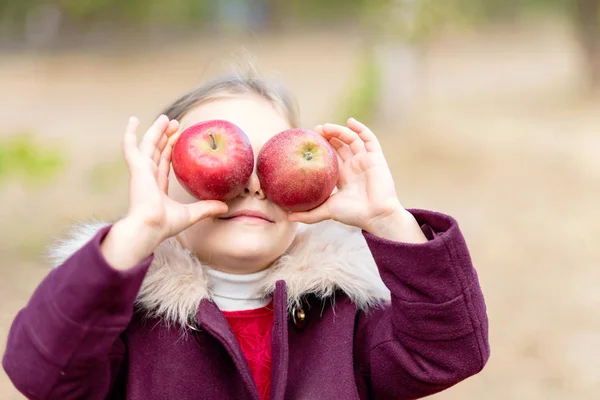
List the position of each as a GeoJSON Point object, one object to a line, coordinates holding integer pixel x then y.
{"type": "Point", "coordinates": [488, 111]}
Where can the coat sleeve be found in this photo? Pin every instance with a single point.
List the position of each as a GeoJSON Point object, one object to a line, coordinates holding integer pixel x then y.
{"type": "Point", "coordinates": [65, 343]}
{"type": "Point", "coordinates": [435, 332]}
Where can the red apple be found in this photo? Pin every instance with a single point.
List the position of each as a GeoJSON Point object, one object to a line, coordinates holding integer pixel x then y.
{"type": "Point", "coordinates": [213, 160]}
{"type": "Point", "coordinates": [297, 169]}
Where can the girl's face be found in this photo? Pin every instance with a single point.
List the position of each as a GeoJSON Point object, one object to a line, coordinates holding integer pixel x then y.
{"type": "Point", "coordinates": [243, 244]}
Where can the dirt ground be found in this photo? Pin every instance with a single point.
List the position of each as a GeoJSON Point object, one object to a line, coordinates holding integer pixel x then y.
{"type": "Point", "coordinates": [499, 139]}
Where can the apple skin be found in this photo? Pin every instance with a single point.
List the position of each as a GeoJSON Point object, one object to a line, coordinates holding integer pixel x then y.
{"type": "Point", "coordinates": [297, 169]}
{"type": "Point", "coordinates": [213, 160]}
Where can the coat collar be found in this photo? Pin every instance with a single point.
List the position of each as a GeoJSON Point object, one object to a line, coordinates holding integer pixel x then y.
{"type": "Point", "coordinates": [322, 259]}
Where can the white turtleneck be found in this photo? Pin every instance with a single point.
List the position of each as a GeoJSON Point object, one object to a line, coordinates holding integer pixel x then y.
{"type": "Point", "coordinates": [233, 292]}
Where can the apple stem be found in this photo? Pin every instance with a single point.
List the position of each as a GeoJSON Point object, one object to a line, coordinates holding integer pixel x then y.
{"type": "Point", "coordinates": [308, 155]}
{"type": "Point", "coordinates": [214, 143]}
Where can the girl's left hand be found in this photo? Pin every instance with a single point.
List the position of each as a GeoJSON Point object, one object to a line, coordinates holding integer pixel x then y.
{"type": "Point", "coordinates": [366, 195]}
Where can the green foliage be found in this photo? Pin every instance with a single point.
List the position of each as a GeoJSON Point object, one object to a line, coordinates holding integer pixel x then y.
{"type": "Point", "coordinates": [22, 157]}
{"type": "Point", "coordinates": [411, 19]}
{"type": "Point", "coordinates": [87, 8]}
{"type": "Point", "coordinates": [157, 12]}
{"type": "Point", "coordinates": [329, 10]}
{"type": "Point", "coordinates": [417, 21]}
{"type": "Point", "coordinates": [502, 9]}
{"type": "Point", "coordinates": [361, 100]}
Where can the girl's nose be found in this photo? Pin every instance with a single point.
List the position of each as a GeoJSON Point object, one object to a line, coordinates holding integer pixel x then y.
{"type": "Point", "coordinates": [253, 188]}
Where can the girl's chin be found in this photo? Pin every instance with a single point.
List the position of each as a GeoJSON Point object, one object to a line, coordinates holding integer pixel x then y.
{"type": "Point", "coordinates": [244, 256]}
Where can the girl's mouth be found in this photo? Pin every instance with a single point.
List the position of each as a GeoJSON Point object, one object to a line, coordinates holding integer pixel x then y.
{"type": "Point", "coordinates": [251, 215]}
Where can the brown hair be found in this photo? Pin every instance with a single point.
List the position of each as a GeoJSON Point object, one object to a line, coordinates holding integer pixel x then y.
{"type": "Point", "coordinates": [235, 83]}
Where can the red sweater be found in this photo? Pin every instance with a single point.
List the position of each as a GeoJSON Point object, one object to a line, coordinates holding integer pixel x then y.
{"type": "Point", "coordinates": [253, 328]}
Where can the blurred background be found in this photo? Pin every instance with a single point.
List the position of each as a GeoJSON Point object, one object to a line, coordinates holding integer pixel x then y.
{"type": "Point", "coordinates": [489, 110]}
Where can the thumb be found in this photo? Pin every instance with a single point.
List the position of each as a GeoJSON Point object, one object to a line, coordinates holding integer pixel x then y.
{"type": "Point", "coordinates": [313, 216]}
{"type": "Point", "coordinates": [205, 208]}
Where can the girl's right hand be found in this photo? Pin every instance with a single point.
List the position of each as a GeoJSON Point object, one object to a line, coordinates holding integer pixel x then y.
{"type": "Point", "coordinates": [152, 216]}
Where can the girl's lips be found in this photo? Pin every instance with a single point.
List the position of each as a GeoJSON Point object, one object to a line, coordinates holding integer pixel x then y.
{"type": "Point", "coordinates": [248, 214]}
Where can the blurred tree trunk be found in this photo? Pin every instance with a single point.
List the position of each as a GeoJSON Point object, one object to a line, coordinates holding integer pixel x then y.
{"type": "Point", "coordinates": [401, 79]}
{"type": "Point", "coordinates": [399, 58]}
{"type": "Point", "coordinates": [587, 16]}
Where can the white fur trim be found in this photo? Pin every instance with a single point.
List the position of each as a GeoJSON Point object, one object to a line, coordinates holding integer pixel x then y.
{"type": "Point", "coordinates": [322, 259]}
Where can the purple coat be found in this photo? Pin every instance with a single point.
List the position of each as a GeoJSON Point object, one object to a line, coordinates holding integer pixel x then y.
{"type": "Point", "coordinates": [356, 317]}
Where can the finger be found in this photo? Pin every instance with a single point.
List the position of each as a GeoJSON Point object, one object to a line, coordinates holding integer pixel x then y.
{"type": "Point", "coordinates": [313, 216]}
{"type": "Point", "coordinates": [153, 134]}
{"type": "Point", "coordinates": [204, 209]}
{"type": "Point", "coordinates": [346, 135]}
{"type": "Point", "coordinates": [343, 151]}
{"type": "Point", "coordinates": [158, 150]}
{"type": "Point", "coordinates": [164, 139]}
{"type": "Point", "coordinates": [130, 140]}
{"type": "Point", "coordinates": [342, 148]}
{"type": "Point", "coordinates": [172, 128]}
{"type": "Point", "coordinates": [164, 165]}
{"type": "Point", "coordinates": [367, 136]}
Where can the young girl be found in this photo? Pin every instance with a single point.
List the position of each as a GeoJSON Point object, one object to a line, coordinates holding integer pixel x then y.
{"type": "Point", "coordinates": [182, 299]}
